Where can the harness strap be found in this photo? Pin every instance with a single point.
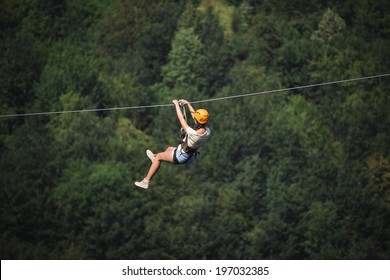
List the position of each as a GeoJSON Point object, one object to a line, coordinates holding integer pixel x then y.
{"type": "Point", "coordinates": [183, 133]}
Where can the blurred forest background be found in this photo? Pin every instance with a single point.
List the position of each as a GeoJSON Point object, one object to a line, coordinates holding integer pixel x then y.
{"type": "Point", "coordinates": [303, 174]}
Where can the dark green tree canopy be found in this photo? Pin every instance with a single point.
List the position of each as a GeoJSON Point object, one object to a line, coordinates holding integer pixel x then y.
{"type": "Point", "coordinates": [302, 174]}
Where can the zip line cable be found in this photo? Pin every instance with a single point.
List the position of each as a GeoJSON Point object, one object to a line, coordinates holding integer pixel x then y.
{"type": "Point", "coordinates": [291, 88]}
{"type": "Point", "coordinates": [194, 102]}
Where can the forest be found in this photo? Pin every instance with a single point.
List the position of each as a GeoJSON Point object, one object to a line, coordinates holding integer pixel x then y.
{"type": "Point", "coordinates": [300, 174]}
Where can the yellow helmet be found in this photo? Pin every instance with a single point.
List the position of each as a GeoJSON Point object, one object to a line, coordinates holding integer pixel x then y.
{"type": "Point", "coordinates": [201, 116]}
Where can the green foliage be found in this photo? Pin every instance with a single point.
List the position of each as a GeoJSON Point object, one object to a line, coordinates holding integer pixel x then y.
{"type": "Point", "coordinates": [136, 36]}
{"type": "Point", "coordinates": [325, 235]}
{"type": "Point", "coordinates": [25, 55]}
{"type": "Point", "coordinates": [27, 178]}
{"type": "Point", "coordinates": [70, 68]}
{"type": "Point", "coordinates": [288, 175]}
{"type": "Point", "coordinates": [330, 25]}
{"type": "Point", "coordinates": [94, 205]}
{"type": "Point", "coordinates": [185, 60]}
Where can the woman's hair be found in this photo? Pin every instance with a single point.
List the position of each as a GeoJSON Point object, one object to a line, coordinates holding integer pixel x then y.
{"type": "Point", "coordinates": [198, 125]}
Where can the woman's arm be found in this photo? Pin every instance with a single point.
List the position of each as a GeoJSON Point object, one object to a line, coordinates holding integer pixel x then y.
{"type": "Point", "coordinates": [192, 110]}
{"type": "Point", "coordinates": [180, 116]}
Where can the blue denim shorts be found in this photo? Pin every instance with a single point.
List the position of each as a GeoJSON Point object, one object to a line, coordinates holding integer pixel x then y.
{"type": "Point", "coordinates": [181, 157]}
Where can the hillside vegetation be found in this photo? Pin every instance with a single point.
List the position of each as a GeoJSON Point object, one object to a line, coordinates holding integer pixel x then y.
{"type": "Point", "coordinates": [300, 174]}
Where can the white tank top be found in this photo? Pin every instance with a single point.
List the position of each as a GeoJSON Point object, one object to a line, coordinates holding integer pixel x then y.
{"type": "Point", "coordinates": [195, 141]}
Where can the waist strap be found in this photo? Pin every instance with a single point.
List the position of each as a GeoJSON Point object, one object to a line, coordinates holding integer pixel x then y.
{"type": "Point", "coordinates": [187, 149]}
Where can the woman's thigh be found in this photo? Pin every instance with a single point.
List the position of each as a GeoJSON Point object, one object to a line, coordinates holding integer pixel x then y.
{"type": "Point", "coordinates": [167, 155]}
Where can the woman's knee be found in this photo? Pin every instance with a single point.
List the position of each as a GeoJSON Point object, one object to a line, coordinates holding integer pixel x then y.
{"type": "Point", "coordinates": [158, 157]}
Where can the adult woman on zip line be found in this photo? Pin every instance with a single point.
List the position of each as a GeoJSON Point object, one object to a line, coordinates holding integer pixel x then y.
{"type": "Point", "coordinates": [186, 151]}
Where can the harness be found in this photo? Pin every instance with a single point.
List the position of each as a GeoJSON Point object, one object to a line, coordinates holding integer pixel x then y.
{"type": "Point", "coordinates": [183, 140]}
{"type": "Point", "coordinates": [183, 133]}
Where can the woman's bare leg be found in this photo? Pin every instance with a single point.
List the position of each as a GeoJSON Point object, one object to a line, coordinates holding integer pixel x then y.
{"type": "Point", "coordinates": [160, 157]}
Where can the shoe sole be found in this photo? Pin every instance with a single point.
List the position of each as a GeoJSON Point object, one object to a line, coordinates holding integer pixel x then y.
{"type": "Point", "coordinates": [150, 155]}
{"type": "Point", "coordinates": [142, 187]}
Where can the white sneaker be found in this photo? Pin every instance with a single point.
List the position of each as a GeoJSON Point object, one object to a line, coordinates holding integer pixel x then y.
{"type": "Point", "coordinates": [143, 184]}
{"type": "Point", "coordinates": [150, 155]}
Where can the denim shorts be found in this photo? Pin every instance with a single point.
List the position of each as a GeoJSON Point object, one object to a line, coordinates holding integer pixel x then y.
{"type": "Point", "coordinates": [181, 157]}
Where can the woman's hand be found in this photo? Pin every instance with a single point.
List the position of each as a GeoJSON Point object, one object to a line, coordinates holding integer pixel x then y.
{"type": "Point", "coordinates": [183, 101]}
{"type": "Point", "coordinates": [176, 102]}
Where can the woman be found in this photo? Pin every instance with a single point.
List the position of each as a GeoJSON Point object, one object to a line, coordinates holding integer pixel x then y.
{"type": "Point", "coordinates": [187, 150]}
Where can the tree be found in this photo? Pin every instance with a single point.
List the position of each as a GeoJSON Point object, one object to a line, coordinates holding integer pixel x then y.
{"type": "Point", "coordinates": [137, 36]}
{"type": "Point", "coordinates": [324, 237]}
{"type": "Point", "coordinates": [296, 143]}
{"type": "Point", "coordinates": [27, 178]}
{"type": "Point", "coordinates": [185, 61]}
{"type": "Point", "coordinates": [70, 68]}
{"type": "Point", "coordinates": [300, 174]}
{"type": "Point", "coordinates": [99, 219]}
{"type": "Point", "coordinates": [25, 56]}
{"type": "Point", "coordinates": [331, 23]}
{"type": "Point", "coordinates": [217, 61]}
